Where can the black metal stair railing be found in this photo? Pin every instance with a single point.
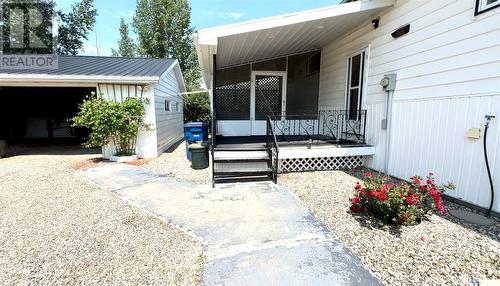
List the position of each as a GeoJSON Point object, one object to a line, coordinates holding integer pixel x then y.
{"type": "Point", "coordinates": [336, 126]}
{"type": "Point", "coordinates": [213, 123]}
{"type": "Point", "coordinates": [212, 145]}
{"type": "Point", "coordinates": [272, 149]}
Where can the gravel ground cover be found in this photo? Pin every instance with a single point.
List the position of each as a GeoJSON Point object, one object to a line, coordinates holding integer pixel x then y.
{"type": "Point", "coordinates": [173, 163]}
{"type": "Point", "coordinates": [438, 251]}
{"type": "Point", "coordinates": [57, 229]}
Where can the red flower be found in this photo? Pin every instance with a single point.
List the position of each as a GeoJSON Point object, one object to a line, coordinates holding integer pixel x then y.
{"type": "Point", "coordinates": [355, 200]}
{"type": "Point", "coordinates": [433, 192]}
{"type": "Point", "coordinates": [412, 199]}
{"type": "Point", "coordinates": [423, 188]}
{"type": "Point", "coordinates": [430, 182]}
{"type": "Point", "coordinates": [361, 193]}
{"type": "Point", "coordinates": [387, 188]}
{"type": "Point", "coordinates": [382, 196]}
{"type": "Point", "coordinates": [440, 207]}
{"type": "Point", "coordinates": [358, 186]}
{"type": "Point", "coordinates": [368, 174]}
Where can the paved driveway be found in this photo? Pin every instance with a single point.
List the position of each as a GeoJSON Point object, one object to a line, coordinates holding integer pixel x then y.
{"type": "Point", "coordinates": [254, 233]}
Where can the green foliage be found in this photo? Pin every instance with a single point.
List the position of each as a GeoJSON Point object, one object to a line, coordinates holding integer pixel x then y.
{"type": "Point", "coordinates": [75, 26]}
{"type": "Point", "coordinates": [197, 107]}
{"type": "Point", "coordinates": [163, 30]}
{"type": "Point", "coordinates": [126, 45]}
{"type": "Point", "coordinates": [111, 121]}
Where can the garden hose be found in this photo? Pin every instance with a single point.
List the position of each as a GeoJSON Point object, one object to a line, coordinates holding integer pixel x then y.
{"type": "Point", "coordinates": [486, 126]}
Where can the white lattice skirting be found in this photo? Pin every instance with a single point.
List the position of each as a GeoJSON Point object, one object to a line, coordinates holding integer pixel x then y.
{"type": "Point", "coordinates": [320, 164]}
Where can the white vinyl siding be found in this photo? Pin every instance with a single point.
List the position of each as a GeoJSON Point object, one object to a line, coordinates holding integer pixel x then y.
{"type": "Point", "coordinates": [146, 140]}
{"type": "Point", "coordinates": [448, 78]}
{"type": "Point", "coordinates": [169, 123]}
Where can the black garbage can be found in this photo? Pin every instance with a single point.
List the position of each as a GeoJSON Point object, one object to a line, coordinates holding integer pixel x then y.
{"type": "Point", "coordinates": [199, 156]}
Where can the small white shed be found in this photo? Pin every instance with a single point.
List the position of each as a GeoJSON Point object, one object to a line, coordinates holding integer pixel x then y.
{"type": "Point", "coordinates": [37, 104]}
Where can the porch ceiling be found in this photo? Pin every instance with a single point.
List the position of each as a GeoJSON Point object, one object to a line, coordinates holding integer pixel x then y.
{"type": "Point", "coordinates": [282, 35]}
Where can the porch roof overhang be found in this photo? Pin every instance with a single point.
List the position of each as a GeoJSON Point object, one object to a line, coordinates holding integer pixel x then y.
{"type": "Point", "coordinates": [279, 36]}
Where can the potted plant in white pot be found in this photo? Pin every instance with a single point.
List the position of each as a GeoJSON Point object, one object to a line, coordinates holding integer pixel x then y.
{"type": "Point", "coordinates": [112, 122]}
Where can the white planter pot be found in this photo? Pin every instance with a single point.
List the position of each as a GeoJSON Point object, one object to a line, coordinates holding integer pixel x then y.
{"type": "Point", "coordinates": [3, 148]}
{"type": "Point", "coordinates": [123, 159]}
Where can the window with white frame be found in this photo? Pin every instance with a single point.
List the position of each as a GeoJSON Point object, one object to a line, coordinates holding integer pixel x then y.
{"type": "Point", "coordinates": [355, 82]}
{"type": "Point", "coordinates": [485, 5]}
{"type": "Point", "coordinates": [167, 105]}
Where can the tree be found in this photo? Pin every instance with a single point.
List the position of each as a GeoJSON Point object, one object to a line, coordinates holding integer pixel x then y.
{"type": "Point", "coordinates": [75, 26]}
{"type": "Point", "coordinates": [163, 30]}
{"type": "Point", "coordinates": [108, 121]}
{"type": "Point", "coordinates": [197, 107]}
{"type": "Point", "coordinates": [126, 45]}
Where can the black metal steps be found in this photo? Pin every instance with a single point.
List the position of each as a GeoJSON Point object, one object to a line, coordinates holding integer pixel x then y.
{"type": "Point", "coordinates": [240, 165]}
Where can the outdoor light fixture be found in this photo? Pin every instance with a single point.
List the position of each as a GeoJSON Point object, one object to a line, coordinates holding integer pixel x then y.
{"type": "Point", "coordinates": [375, 22]}
{"type": "Point", "coordinates": [401, 31]}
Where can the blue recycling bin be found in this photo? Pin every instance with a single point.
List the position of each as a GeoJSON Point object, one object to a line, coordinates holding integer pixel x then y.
{"type": "Point", "coordinates": [195, 131]}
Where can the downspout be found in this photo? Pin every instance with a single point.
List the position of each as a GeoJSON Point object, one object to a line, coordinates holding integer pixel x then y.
{"type": "Point", "coordinates": [388, 83]}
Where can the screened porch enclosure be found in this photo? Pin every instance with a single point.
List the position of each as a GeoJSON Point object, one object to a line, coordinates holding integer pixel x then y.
{"type": "Point", "coordinates": [245, 95]}
{"type": "Point", "coordinates": [286, 90]}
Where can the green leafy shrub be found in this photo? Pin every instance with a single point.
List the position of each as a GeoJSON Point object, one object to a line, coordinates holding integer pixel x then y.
{"type": "Point", "coordinates": [112, 121]}
{"type": "Point", "coordinates": [197, 107]}
{"type": "Point", "coordinates": [404, 203]}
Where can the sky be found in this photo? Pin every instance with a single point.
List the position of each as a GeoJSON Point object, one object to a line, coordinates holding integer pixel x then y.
{"type": "Point", "coordinates": [204, 14]}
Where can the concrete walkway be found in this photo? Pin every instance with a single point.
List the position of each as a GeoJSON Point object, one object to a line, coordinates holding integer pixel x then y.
{"type": "Point", "coordinates": [254, 233]}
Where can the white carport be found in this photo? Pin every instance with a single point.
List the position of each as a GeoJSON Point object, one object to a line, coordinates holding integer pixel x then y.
{"type": "Point", "coordinates": [37, 104]}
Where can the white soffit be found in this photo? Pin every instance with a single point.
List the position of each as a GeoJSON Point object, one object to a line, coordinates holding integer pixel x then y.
{"type": "Point", "coordinates": [281, 35]}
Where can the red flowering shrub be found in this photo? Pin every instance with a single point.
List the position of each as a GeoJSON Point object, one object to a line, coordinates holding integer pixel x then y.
{"type": "Point", "coordinates": [404, 203]}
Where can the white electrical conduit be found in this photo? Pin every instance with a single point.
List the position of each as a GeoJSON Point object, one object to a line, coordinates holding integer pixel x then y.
{"type": "Point", "coordinates": [193, 92]}
{"type": "Point", "coordinates": [388, 118]}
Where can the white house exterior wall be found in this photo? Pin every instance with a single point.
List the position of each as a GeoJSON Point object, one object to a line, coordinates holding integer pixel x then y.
{"type": "Point", "coordinates": [448, 78]}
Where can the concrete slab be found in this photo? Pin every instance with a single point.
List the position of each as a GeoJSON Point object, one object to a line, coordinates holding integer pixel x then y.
{"type": "Point", "coordinates": [472, 217]}
{"type": "Point", "coordinates": [243, 214]}
{"type": "Point", "coordinates": [307, 263]}
{"type": "Point", "coordinates": [116, 176]}
{"type": "Point", "coordinates": [255, 233]}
